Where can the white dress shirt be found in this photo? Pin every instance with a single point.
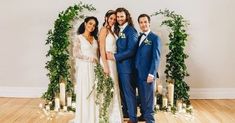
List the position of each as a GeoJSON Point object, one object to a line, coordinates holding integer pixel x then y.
{"type": "Point", "coordinates": [123, 26]}
{"type": "Point", "coordinates": [143, 37]}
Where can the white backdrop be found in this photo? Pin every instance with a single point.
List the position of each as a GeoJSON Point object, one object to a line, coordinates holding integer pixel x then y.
{"type": "Point", "coordinates": [211, 46]}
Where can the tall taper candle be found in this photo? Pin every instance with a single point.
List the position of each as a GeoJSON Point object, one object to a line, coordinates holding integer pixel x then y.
{"type": "Point", "coordinates": [170, 88]}
{"type": "Point", "coordinates": [62, 93]}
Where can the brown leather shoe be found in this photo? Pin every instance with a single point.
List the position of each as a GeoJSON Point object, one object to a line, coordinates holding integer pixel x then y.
{"type": "Point", "coordinates": [129, 121]}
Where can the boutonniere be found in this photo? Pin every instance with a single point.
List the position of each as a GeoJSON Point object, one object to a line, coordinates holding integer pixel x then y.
{"type": "Point", "coordinates": [147, 42]}
{"type": "Point", "coordinates": [122, 35]}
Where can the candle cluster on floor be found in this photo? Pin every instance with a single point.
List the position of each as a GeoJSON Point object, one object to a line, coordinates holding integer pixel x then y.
{"type": "Point", "coordinates": [62, 103]}
{"type": "Point", "coordinates": [164, 100]}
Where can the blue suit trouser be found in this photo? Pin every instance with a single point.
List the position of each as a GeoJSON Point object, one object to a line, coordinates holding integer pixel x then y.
{"type": "Point", "coordinates": [146, 92]}
{"type": "Point", "coordinates": [127, 85]}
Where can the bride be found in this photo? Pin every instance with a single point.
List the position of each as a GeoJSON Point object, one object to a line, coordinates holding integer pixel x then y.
{"type": "Point", "coordinates": [107, 43]}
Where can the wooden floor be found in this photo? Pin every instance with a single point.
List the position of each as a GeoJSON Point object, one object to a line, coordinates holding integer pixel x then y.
{"type": "Point", "coordinates": [20, 110]}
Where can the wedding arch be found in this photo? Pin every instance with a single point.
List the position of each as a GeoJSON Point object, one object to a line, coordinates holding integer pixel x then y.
{"type": "Point", "coordinates": [61, 86]}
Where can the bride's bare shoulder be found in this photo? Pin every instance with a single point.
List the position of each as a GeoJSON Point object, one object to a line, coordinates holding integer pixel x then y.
{"type": "Point", "coordinates": [103, 30]}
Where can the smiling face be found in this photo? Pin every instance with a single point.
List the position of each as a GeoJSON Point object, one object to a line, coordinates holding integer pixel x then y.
{"type": "Point", "coordinates": [90, 25]}
{"type": "Point", "coordinates": [121, 18]}
{"type": "Point", "coordinates": [144, 24]}
{"type": "Point", "coordinates": [111, 20]}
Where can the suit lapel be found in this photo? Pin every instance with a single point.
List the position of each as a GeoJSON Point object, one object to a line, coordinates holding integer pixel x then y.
{"type": "Point", "coordinates": [124, 31]}
{"type": "Point", "coordinates": [148, 36]}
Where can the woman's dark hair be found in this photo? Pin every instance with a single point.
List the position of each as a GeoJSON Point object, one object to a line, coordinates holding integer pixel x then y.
{"type": "Point", "coordinates": [128, 19]}
{"type": "Point", "coordinates": [107, 15]}
{"type": "Point", "coordinates": [81, 28]}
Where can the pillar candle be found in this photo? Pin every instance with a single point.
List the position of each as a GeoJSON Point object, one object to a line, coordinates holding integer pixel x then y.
{"type": "Point", "coordinates": [65, 108]}
{"type": "Point", "coordinates": [62, 93]}
{"type": "Point", "coordinates": [179, 105]}
{"type": "Point", "coordinates": [164, 102]}
{"type": "Point", "coordinates": [57, 103]}
{"type": "Point", "coordinates": [170, 88]}
{"type": "Point", "coordinates": [47, 107]}
{"type": "Point", "coordinates": [69, 101]}
{"type": "Point", "coordinates": [159, 88]}
{"type": "Point", "coordinates": [169, 108]}
{"type": "Point", "coordinates": [40, 105]}
{"type": "Point", "coordinates": [73, 105]}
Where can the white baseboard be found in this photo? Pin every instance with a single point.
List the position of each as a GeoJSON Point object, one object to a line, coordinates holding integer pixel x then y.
{"type": "Point", "coordinates": [22, 92]}
{"type": "Point", "coordinates": [195, 93]}
{"type": "Point", "coordinates": [212, 93]}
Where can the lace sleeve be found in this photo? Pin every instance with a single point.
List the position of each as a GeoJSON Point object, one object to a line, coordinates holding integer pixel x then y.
{"type": "Point", "coordinates": [77, 52]}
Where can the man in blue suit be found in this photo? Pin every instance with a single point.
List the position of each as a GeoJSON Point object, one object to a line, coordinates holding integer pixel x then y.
{"type": "Point", "coordinates": [127, 44]}
{"type": "Point", "coordinates": [146, 63]}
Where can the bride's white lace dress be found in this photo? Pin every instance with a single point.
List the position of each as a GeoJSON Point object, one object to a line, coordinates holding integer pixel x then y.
{"type": "Point", "coordinates": [115, 111]}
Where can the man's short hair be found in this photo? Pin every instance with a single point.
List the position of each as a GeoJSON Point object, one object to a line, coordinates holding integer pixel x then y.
{"type": "Point", "coordinates": [144, 15]}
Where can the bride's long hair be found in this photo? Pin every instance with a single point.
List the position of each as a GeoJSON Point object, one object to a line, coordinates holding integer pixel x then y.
{"type": "Point", "coordinates": [106, 18]}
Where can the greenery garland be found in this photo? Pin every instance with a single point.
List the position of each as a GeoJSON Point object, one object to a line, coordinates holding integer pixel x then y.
{"type": "Point", "coordinates": [175, 59]}
{"type": "Point", "coordinates": [59, 41]}
{"type": "Point", "coordinates": [104, 93]}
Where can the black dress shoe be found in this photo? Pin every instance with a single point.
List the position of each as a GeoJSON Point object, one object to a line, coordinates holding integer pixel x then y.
{"type": "Point", "coordinates": [125, 116]}
{"type": "Point", "coordinates": [141, 118]}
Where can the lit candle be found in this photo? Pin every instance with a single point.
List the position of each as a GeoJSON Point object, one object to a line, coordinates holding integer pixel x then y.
{"type": "Point", "coordinates": [62, 93]}
{"type": "Point", "coordinates": [159, 88]}
{"type": "Point", "coordinates": [73, 105]}
{"type": "Point", "coordinates": [57, 104]}
{"type": "Point", "coordinates": [65, 108]}
{"type": "Point", "coordinates": [164, 102]}
{"type": "Point", "coordinates": [170, 88]}
{"type": "Point", "coordinates": [157, 107]}
{"type": "Point", "coordinates": [75, 88]}
{"type": "Point", "coordinates": [190, 107]}
{"type": "Point", "coordinates": [169, 108]}
{"type": "Point", "coordinates": [40, 105]}
{"type": "Point", "coordinates": [47, 107]}
{"type": "Point", "coordinates": [179, 105]}
{"type": "Point", "coordinates": [69, 101]}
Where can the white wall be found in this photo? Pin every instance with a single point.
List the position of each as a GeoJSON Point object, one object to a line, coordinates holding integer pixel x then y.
{"type": "Point", "coordinates": [24, 25]}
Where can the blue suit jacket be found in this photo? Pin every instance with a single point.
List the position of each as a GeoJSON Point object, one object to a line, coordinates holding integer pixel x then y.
{"type": "Point", "coordinates": [148, 56]}
{"type": "Point", "coordinates": [126, 50]}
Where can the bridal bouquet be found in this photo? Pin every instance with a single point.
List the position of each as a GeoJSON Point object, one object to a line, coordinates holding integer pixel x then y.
{"type": "Point", "coordinates": [104, 88]}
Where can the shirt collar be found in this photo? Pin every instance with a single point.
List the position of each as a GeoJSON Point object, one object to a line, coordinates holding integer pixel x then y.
{"type": "Point", "coordinates": [123, 27]}
{"type": "Point", "coordinates": [146, 33]}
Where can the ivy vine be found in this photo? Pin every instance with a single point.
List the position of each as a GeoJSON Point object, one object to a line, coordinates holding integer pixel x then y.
{"type": "Point", "coordinates": [104, 93]}
{"type": "Point", "coordinates": [176, 69]}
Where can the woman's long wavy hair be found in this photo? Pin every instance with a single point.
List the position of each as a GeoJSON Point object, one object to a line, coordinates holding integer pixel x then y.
{"type": "Point", "coordinates": [128, 19]}
{"type": "Point", "coordinates": [107, 15]}
{"type": "Point", "coordinates": [81, 28]}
